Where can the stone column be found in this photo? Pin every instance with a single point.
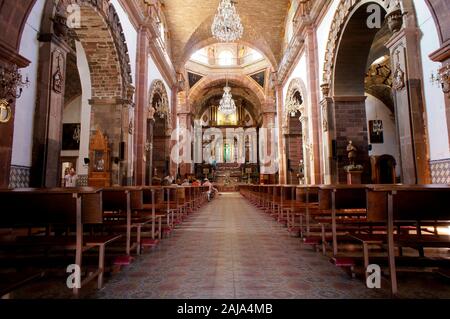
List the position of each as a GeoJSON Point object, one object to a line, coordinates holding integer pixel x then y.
{"type": "Point", "coordinates": [185, 121]}
{"type": "Point", "coordinates": [266, 143]}
{"type": "Point", "coordinates": [313, 85]}
{"type": "Point", "coordinates": [327, 128]}
{"type": "Point", "coordinates": [408, 98]}
{"type": "Point", "coordinates": [282, 171]}
{"type": "Point", "coordinates": [174, 107]}
{"type": "Point", "coordinates": [140, 134]}
{"type": "Point", "coordinates": [350, 124]}
{"type": "Point", "coordinates": [47, 137]}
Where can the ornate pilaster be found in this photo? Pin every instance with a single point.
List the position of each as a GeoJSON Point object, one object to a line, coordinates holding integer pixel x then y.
{"type": "Point", "coordinates": [47, 135]}
{"type": "Point", "coordinates": [409, 102]}
{"type": "Point", "coordinates": [282, 161]}
{"type": "Point", "coordinates": [142, 104]}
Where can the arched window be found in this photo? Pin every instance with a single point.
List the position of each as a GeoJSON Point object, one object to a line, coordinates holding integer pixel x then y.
{"type": "Point", "coordinates": [226, 58]}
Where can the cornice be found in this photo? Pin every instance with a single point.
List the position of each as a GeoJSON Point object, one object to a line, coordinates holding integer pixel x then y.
{"type": "Point", "coordinates": [308, 13]}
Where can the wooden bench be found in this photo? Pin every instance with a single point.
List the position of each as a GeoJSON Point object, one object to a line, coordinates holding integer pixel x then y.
{"type": "Point", "coordinates": [10, 282]}
{"type": "Point", "coordinates": [419, 205]}
{"type": "Point", "coordinates": [307, 202]}
{"type": "Point", "coordinates": [121, 206]}
{"type": "Point", "coordinates": [48, 208]}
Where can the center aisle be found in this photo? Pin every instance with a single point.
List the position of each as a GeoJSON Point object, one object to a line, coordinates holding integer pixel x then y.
{"type": "Point", "coordinates": [229, 249]}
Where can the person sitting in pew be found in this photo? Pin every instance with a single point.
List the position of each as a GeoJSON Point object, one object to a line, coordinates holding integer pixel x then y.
{"type": "Point", "coordinates": [212, 190]}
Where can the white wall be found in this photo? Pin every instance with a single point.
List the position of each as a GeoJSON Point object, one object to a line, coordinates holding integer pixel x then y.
{"type": "Point", "coordinates": [25, 105]}
{"type": "Point", "coordinates": [85, 116]}
{"type": "Point", "coordinates": [434, 97]}
{"type": "Point", "coordinates": [72, 111]}
{"type": "Point", "coordinates": [131, 37]}
{"type": "Point", "coordinates": [323, 32]}
{"type": "Point", "coordinates": [155, 74]}
{"type": "Point", "coordinates": [376, 110]}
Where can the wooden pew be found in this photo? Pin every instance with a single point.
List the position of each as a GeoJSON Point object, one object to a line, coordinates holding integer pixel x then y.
{"type": "Point", "coordinates": [287, 204]}
{"type": "Point", "coordinates": [34, 208]}
{"type": "Point", "coordinates": [303, 209]}
{"type": "Point", "coordinates": [154, 208]}
{"type": "Point", "coordinates": [10, 282]}
{"type": "Point", "coordinates": [121, 206]}
{"type": "Point", "coordinates": [343, 205]}
{"type": "Point", "coordinates": [419, 205]}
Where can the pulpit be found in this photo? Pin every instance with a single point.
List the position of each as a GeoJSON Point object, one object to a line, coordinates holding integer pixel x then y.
{"type": "Point", "coordinates": [100, 164]}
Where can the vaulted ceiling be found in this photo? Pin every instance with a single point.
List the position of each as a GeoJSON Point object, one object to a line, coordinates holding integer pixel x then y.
{"type": "Point", "coordinates": [189, 23]}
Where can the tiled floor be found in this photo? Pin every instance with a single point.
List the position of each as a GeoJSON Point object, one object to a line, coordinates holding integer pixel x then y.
{"type": "Point", "coordinates": [229, 249]}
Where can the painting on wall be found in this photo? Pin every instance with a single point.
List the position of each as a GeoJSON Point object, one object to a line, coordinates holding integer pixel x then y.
{"type": "Point", "coordinates": [71, 137]}
{"type": "Point", "coordinates": [376, 132]}
{"type": "Point", "coordinates": [260, 78]}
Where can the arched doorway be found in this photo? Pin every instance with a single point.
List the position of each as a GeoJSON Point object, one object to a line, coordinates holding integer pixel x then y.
{"type": "Point", "coordinates": [370, 27]}
{"type": "Point", "coordinates": [96, 26]}
{"type": "Point", "coordinates": [158, 133]}
{"type": "Point", "coordinates": [296, 135]}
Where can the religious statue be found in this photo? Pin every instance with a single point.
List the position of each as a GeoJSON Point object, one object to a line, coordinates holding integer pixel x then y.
{"type": "Point", "coordinates": [351, 150]}
{"type": "Point", "coordinates": [301, 172]}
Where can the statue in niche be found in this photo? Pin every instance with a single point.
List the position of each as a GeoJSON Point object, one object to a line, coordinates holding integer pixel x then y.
{"type": "Point", "coordinates": [399, 78]}
{"type": "Point", "coordinates": [398, 82]}
{"type": "Point", "coordinates": [352, 153]}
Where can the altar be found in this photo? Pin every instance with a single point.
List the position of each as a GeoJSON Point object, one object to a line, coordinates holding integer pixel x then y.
{"type": "Point", "coordinates": [227, 188]}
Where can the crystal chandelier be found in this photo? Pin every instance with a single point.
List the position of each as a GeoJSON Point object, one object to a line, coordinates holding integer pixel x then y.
{"type": "Point", "coordinates": [227, 26]}
{"type": "Point", "coordinates": [227, 105]}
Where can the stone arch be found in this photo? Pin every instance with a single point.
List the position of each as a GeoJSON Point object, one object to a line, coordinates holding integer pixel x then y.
{"type": "Point", "coordinates": [96, 25]}
{"type": "Point", "coordinates": [296, 85]}
{"type": "Point", "coordinates": [211, 80]}
{"type": "Point", "coordinates": [202, 38]}
{"type": "Point", "coordinates": [344, 91]}
{"type": "Point", "coordinates": [101, 34]}
{"type": "Point", "coordinates": [254, 107]}
{"type": "Point", "coordinates": [344, 12]}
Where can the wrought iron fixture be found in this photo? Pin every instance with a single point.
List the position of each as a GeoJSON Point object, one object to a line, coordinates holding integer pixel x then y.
{"type": "Point", "coordinates": [11, 86]}
{"type": "Point", "coordinates": [442, 78]}
{"type": "Point", "coordinates": [227, 26]}
{"type": "Point", "coordinates": [293, 106]}
{"type": "Point", "coordinates": [227, 105]}
{"type": "Point", "coordinates": [162, 108]}
{"type": "Point", "coordinates": [11, 82]}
